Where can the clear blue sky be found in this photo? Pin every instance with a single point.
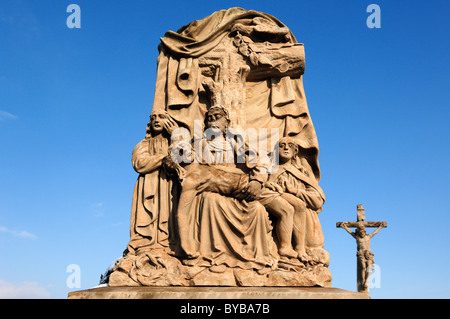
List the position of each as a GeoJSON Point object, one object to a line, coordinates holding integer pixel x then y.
{"type": "Point", "coordinates": [74, 102]}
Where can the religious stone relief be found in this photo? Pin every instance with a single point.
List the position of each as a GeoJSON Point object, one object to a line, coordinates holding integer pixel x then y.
{"type": "Point", "coordinates": [227, 192]}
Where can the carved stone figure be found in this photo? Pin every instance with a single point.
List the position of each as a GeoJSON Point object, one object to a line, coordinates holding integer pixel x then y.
{"type": "Point", "coordinates": [364, 256]}
{"type": "Point", "coordinates": [234, 182]}
{"type": "Point", "coordinates": [305, 195]}
{"type": "Point", "coordinates": [232, 200]}
{"type": "Point", "coordinates": [155, 194]}
{"type": "Point", "coordinates": [226, 190]}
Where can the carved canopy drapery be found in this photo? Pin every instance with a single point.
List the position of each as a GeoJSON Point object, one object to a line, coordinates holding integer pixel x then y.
{"type": "Point", "coordinates": [273, 94]}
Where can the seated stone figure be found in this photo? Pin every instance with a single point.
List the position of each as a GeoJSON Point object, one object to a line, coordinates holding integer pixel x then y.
{"type": "Point", "coordinates": [219, 222]}
{"type": "Point", "coordinates": [304, 194]}
{"type": "Point", "coordinates": [203, 177]}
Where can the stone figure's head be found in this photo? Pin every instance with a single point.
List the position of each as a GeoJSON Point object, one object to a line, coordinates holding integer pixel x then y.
{"type": "Point", "coordinates": [157, 121]}
{"type": "Point", "coordinates": [287, 149]}
{"type": "Point", "coordinates": [361, 231]}
{"type": "Point", "coordinates": [217, 119]}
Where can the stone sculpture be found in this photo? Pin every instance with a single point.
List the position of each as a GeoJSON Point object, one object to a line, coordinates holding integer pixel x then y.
{"type": "Point", "coordinates": [365, 260]}
{"type": "Point", "coordinates": [227, 193]}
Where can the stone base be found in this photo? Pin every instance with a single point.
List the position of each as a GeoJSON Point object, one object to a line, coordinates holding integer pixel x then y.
{"type": "Point", "coordinates": [162, 270]}
{"type": "Point", "coordinates": [216, 293]}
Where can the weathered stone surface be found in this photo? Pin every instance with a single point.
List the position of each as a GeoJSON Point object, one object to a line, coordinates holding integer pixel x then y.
{"type": "Point", "coordinates": [209, 278]}
{"type": "Point", "coordinates": [176, 274]}
{"type": "Point", "coordinates": [228, 189]}
{"type": "Point", "coordinates": [310, 276]}
{"type": "Point", "coordinates": [215, 293]}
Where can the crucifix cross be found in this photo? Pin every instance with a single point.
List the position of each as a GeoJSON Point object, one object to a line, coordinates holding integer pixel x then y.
{"type": "Point", "coordinates": [361, 220]}
{"type": "Point", "coordinates": [365, 259]}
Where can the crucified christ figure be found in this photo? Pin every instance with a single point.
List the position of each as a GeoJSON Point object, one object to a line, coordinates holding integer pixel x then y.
{"type": "Point", "coordinates": [364, 255]}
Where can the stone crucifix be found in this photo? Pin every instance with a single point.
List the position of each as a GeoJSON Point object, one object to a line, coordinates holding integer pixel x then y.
{"type": "Point", "coordinates": [365, 259]}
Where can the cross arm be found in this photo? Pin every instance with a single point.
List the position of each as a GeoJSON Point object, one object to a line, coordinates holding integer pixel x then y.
{"type": "Point", "coordinates": [365, 224]}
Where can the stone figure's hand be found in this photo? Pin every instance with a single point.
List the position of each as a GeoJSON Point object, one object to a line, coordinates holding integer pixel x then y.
{"type": "Point", "coordinates": [181, 152]}
{"type": "Point", "coordinates": [173, 168]}
{"type": "Point", "coordinates": [170, 125]}
{"type": "Point", "coordinates": [274, 187]}
{"type": "Point", "coordinates": [181, 172]}
{"type": "Point", "coordinates": [290, 188]}
{"type": "Point", "coordinates": [253, 189]}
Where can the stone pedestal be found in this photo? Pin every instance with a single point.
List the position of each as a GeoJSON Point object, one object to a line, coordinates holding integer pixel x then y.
{"type": "Point", "coordinates": [216, 293]}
